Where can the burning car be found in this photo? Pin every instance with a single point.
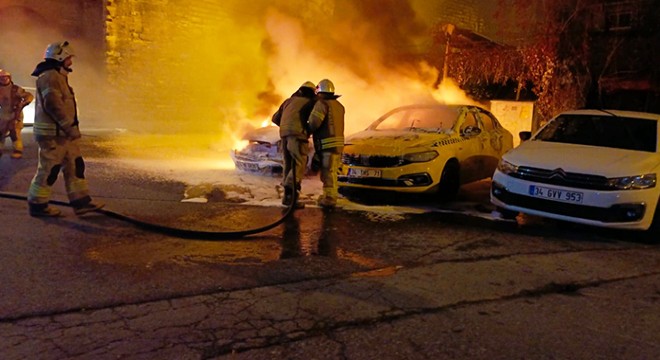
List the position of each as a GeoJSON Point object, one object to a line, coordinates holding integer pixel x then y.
{"type": "Point", "coordinates": [263, 153]}
{"type": "Point", "coordinates": [424, 149]}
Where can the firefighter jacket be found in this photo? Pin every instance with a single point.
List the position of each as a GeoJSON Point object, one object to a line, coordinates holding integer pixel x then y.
{"type": "Point", "coordinates": [292, 116]}
{"type": "Point", "coordinates": [13, 99]}
{"type": "Point", "coordinates": [326, 122]}
{"type": "Point", "coordinates": [55, 110]}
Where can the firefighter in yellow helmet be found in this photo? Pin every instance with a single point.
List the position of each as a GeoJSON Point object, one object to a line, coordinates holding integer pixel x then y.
{"type": "Point", "coordinates": [13, 99]}
{"type": "Point", "coordinates": [291, 117]}
{"type": "Point", "coordinates": [57, 133]}
{"type": "Point", "coordinates": [326, 123]}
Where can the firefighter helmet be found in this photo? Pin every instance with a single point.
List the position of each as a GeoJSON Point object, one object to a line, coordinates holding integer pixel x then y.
{"type": "Point", "coordinates": [325, 86]}
{"type": "Point", "coordinates": [5, 73]}
{"type": "Point", "coordinates": [308, 84]}
{"type": "Point", "coordinates": [59, 51]}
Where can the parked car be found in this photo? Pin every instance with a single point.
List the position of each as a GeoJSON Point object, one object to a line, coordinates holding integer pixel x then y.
{"type": "Point", "coordinates": [263, 153]}
{"type": "Point", "coordinates": [592, 167]}
{"type": "Point", "coordinates": [424, 149]}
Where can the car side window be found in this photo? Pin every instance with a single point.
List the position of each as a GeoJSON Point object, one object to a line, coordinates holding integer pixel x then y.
{"type": "Point", "coordinates": [487, 121]}
{"type": "Point", "coordinates": [470, 126]}
{"type": "Point", "coordinates": [470, 120]}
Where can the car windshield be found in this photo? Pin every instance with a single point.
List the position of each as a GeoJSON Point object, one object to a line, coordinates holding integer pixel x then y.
{"type": "Point", "coordinates": [605, 131]}
{"type": "Point", "coordinates": [436, 119]}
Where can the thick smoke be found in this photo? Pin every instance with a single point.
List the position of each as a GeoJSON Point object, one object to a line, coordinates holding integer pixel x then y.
{"type": "Point", "coordinates": [218, 68]}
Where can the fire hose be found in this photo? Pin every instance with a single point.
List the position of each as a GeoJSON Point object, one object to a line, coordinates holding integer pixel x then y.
{"type": "Point", "coordinates": [185, 233]}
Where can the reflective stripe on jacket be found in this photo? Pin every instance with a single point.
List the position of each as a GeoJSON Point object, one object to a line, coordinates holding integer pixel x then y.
{"type": "Point", "coordinates": [326, 122]}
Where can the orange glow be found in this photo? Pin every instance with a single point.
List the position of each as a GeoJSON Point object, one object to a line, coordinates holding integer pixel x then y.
{"type": "Point", "coordinates": [230, 70]}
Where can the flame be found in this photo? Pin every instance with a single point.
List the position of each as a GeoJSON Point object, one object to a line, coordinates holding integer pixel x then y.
{"type": "Point", "coordinates": [267, 122]}
{"type": "Point", "coordinates": [237, 135]}
{"type": "Point", "coordinates": [239, 144]}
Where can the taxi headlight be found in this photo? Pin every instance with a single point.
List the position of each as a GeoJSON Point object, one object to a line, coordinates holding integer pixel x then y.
{"type": "Point", "coordinates": [420, 156]}
{"type": "Point", "coordinates": [506, 167]}
{"type": "Point", "coordinates": [636, 182]}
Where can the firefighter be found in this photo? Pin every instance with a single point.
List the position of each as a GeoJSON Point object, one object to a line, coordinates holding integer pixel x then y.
{"type": "Point", "coordinates": [57, 133]}
{"type": "Point", "coordinates": [13, 99]}
{"type": "Point", "coordinates": [291, 117]}
{"type": "Point", "coordinates": [326, 123]}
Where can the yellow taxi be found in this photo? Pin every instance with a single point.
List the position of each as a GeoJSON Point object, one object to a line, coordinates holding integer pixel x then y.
{"type": "Point", "coordinates": [424, 149]}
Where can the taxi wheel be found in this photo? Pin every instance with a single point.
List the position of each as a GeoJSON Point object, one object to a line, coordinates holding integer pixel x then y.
{"type": "Point", "coordinates": [449, 181]}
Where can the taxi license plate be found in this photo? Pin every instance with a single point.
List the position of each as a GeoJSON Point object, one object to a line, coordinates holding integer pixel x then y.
{"type": "Point", "coordinates": [364, 173]}
{"type": "Point", "coordinates": [555, 194]}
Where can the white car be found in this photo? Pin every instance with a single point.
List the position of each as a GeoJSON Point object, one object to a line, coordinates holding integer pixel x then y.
{"type": "Point", "coordinates": [593, 167]}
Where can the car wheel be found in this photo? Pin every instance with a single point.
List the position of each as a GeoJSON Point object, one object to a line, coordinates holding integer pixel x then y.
{"type": "Point", "coordinates": [506, 213]}
{"type": "Point", "coordinates": [449, 181]}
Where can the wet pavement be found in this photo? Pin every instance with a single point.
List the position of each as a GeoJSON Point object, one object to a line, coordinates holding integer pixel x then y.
{"type": "Point", "coordinates": [323, 285]}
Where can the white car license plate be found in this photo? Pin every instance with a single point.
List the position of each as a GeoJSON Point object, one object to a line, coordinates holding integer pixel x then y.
{"type": "Point", "coordinates": [364, 173]}
{"type": "Point", "coordinates": [249, 166]}
{"type": "Point", "coordinates": [555, 194]}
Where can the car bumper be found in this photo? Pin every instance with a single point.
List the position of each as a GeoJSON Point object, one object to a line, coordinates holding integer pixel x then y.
{"type": "Point", "coordinates": [256, 166]}
{"type": "Point", "coordinates": [626, 209]}
{"type": "Point", "coordinates": [412, 178]}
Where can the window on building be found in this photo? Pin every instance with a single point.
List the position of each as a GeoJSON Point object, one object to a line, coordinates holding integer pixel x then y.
{"type": "Point", "coordinates": [621, 15]}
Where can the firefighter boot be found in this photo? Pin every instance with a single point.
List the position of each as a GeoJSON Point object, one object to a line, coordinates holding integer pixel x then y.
{"type": "Point", "coordinates": [328, 200]}
{"type": "Point", "coordinates": [43, 210]}
{"type": "Point", "coordinates": [18, 150]}
{"type": "Point", "coordinates": [85, 205]}
{"type": "Point", "coordinates": [298, 205]}
{"type": "Point", "coordinates": [288, 196]}
{"type": "Point", "coordinates": [86, 208]}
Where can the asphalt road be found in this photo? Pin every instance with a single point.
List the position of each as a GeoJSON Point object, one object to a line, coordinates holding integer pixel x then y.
{"type": "Point", "coordinates": [324, 285]}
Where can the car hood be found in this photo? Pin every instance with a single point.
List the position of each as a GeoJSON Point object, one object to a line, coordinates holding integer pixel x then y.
{"type": "Point", "coordinates": [266, 134]}
{"type": "Point", "coordinates": [584, 159]}
{"type": "Point", "coordinates": [390, 141]}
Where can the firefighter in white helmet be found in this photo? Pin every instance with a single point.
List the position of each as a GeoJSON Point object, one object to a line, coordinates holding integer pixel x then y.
{"type": "Point", "coordinates": [326, 123]}
{"type": "Point", "coordinates": [291, 117]}
{"type": "Point", "coordinates": [57, 133]}
{"type": "Point", "coordinates": [13, 99]}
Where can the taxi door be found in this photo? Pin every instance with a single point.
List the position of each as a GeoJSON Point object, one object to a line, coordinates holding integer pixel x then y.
{"type": "Point", "coordinates": [493, 143]}
{"type": "Point", "coordinates": [473, 146]}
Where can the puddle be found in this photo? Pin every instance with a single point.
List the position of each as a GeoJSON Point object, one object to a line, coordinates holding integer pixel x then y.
{"type": "Point", "coordinates": [186, 253]}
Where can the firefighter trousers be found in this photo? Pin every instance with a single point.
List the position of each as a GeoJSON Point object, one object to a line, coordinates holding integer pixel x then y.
{"type": "Point", "coordinates": [329, 167]}
{"type": "Point", "coordinates": [295, 150]}
{"type": "Point", "coordinates": [17, 136]}
{"type": "Point", "coordinates": [54, 155]}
